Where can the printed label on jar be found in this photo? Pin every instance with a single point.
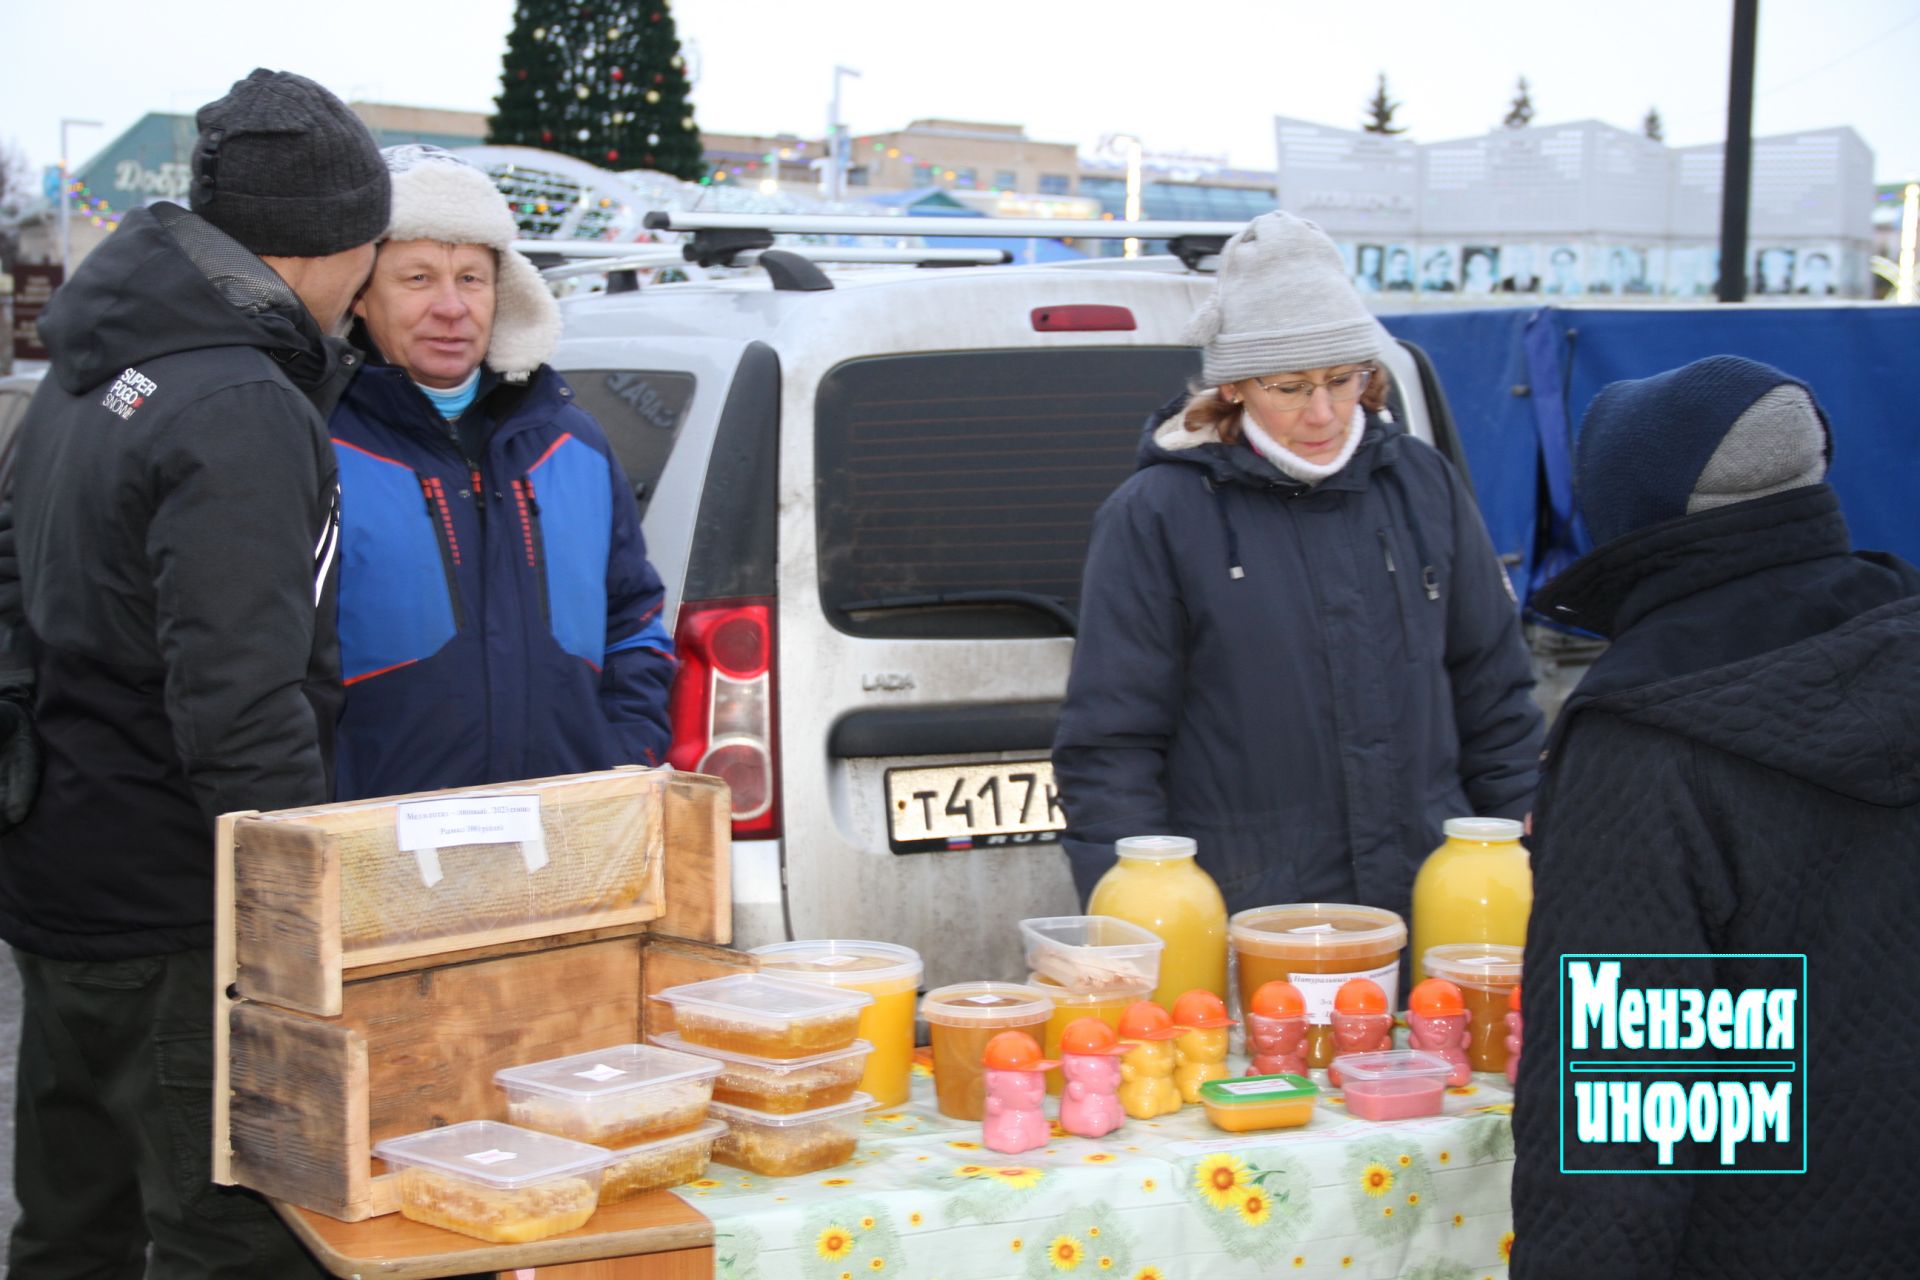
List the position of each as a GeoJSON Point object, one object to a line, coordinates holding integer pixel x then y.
{"type": "Point", "coordinates": [1239, 1088]}
{"type": "Point", "coordinates": [1317, 990]}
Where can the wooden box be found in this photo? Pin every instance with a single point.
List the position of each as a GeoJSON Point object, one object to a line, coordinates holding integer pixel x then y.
{"type": "Point", "coordinates": [358, 1003]}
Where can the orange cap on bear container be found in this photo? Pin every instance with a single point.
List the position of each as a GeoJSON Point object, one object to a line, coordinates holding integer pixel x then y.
{"type": "Point", "coordinates": [1090, 1036]}
{"type": "Point", "coordinates": [1145, 1020]}
{"type": "Point", "coordinates": [1279, 1000]}
{"type": "Point", "coordinates": [1437, 998]}
{"type": "Point", "coordinates": [1360, 995]}
{"type": "Point", "coordinates": [1015, 1051]}
{"type": "Point", "coordinates": [1200, 1010]}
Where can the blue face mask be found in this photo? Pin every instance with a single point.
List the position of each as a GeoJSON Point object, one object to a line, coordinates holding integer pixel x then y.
{"type": "Point", "coordinates": [453, 401]}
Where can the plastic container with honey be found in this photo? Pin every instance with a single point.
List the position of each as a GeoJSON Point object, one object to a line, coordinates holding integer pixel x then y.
{"type": "Point", "coordinates": [888, 973]}
{"type": "Point", "coordinates": [615, 1097]}
{"type": "Point", "coordinates": [783, 1087]}
{"type": "Point", "coordinates": [1259, 1102]}
{"type": "Point", "coordinates": [1317, 946]}
{"type": "Point", "coordinates": [766, 1017]}
{"type": "Point", "coordinates": [1486, 975]}
{"type": "Point", "coordinates": [782, 1146]}
{"type": "Point", "coordinates": [961, 1019]}
{"type": "Point", "coordinates": [1156, 883]}
{"type": "Point", "coordinates": [1088, 954]}
{"type": "Point", "coordinates": [667, 1162]}
{"type": "Point", "coordinates": [1069, 1006]}
{"type": "Point", "coordinates": [495, 1181]}
{"type": "Point", "coordinates": [1394, 1084]}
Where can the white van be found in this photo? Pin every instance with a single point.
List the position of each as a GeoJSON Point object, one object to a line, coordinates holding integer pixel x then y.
{"type": "Point", "coordinates": [870, 495]}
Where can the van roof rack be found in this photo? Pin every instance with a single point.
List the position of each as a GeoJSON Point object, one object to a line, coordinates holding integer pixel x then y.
{"type": "Point", "coordinates": [883, 225]}
{"type": "Point", "coordinates": [595, 257]}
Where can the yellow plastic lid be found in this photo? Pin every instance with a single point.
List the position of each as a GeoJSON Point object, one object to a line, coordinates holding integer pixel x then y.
{"type": "Point", "coordinates": [1317, 931]}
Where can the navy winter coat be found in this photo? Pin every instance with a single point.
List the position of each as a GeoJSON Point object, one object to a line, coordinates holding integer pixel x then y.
{"type": "Point", "coordinates": [498, 617]}
{"type": "Point", "coordinates": [1305, 680]}
{"type": "Point", "coordinates": [1738, 774]}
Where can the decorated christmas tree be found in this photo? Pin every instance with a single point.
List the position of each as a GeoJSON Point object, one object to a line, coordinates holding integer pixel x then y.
{"type": "Point", "coordinates": [605, 82]}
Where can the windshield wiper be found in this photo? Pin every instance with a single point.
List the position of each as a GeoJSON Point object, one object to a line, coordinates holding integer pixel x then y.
{"type": "Point", "coordinates": [1053, 606]}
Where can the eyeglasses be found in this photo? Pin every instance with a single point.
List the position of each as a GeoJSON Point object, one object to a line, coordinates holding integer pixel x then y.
{"type": "Point", "coordinates": [1341, 388]}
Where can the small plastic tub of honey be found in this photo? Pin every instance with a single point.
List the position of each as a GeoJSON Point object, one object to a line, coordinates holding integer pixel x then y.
{"type": "Point", "coordinates": [1394, 1084]}
{"type": "Point", "coordinates": [782, 1146]}
{"type": "Point", "coordinates": [495, 1181]}
{"type": "Point", "coordinates": [765, 1017]}
{"type": "Point", "coordinates": [782, 1087]}
{"type": "Point", "coordinates": [888, 973]}
{"type": "Point", "coordinates": [1486, 974]}
{"type": "Point", "coordinates": [618, 1097]}
{"type": "Point", "coordinates": [1068, 1005]}
{"type": "Point", "coordinates": [961, 1019]}
{"type": "Point", "coordinates": [1259, 1102]}
{"type": "Point", "coordinates": [666, 1162]}
{"type": "Point", "coordinates": [1318, 947]}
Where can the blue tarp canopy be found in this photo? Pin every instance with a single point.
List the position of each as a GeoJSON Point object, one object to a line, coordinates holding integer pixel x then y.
{"type": "Point", "coordinates": [1519, 381]}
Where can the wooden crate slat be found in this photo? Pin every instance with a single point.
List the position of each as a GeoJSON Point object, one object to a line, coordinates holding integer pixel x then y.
{"type": "Point", "coordinates": [297, 1110]}
{"type": "Point", "coordinates": [699, 865]}
{"type": "Point", "coordinates": [286, 903]}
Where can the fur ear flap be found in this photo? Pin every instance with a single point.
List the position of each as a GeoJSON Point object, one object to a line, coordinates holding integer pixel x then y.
{"type": "Point", "coordinates": [526, 319]}
{"type": "Point", "coordinates": [1204, 325]}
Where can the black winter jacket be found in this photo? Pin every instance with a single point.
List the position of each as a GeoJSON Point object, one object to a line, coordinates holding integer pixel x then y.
{"type": "Point", "coordinates": [1306, 681]}
{"type": "Point", "coordinates": [1738, 773]}
{"type": "Point", "coordinates": [176, 511]}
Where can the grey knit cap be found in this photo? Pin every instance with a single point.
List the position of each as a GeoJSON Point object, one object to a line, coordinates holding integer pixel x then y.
{"type": "Point", "coordinates": [283, 166]}
{"type": "Point", "coordinates": [1281, 303]}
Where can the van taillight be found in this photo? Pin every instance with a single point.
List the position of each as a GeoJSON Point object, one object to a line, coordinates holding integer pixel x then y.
{"type": "Point", "coordinates": [1083, 317]}
{"type": "Point", "coordinates": [722, 706]}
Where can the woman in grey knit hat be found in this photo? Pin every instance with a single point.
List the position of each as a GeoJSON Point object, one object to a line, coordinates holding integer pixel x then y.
{"type": "Point", "coordinates": [1296, 643]}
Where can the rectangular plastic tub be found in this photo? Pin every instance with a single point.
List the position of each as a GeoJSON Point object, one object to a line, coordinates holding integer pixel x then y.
{"type": "Point", "coordinates": [783, 1087]}
{"type": "Point", "coordinates": [669, 1162]}
{"type": "Point", "coordinates": [615, 1097]}
{"type": "Point", "coordinates": [765, 1017]}
{"type": "Point", "coordinates": [1092, 953]}
{"type": "Point", "coordinates": [1259, 1102]}
{"type": "Point", "coordinates": [494, 1181]}
{"type": "Point", "coordinates": [781, 1146]}
{"type": "Point", "coordinates": [1396, 1084]}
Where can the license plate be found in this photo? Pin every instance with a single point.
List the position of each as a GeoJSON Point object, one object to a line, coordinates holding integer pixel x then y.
{"type": "Point", "coordinates": [968, 806]}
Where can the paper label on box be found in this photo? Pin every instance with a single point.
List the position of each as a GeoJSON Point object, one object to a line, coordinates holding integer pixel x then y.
{"type": "Point", "coordinates": [986, 1000]}
{"type": "Point", "coordinates": [1317, 990]}
{"type": "Point", "coordinates": [492, 1155]}
{"type": "Point", "coordinates": [600, 1072]}
{"type": "Point", "coordinates": [424, 827]}
{"type": "Point", "coordinates": [1259, 1086]}
{"type": "Point", "coordinates": [1315, 928]}
{"type": "Point", "coordinates": [835, 962]}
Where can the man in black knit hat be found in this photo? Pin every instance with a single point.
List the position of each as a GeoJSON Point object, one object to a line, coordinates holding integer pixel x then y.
{"type": "Point", "coordinates": [1738, 776]}
{"type": "Point", "coordinates": [176, 517]}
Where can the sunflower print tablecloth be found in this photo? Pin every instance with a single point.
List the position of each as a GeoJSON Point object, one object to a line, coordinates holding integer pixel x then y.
{"type": "Point", "coordinates": [1172, 1199]}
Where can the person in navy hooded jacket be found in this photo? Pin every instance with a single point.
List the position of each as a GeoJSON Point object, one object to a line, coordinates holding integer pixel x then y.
{"type": "Point", "coordinates": [498, 615]}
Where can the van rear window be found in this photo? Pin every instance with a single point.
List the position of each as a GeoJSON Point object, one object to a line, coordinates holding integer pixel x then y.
{"type": "Point", "coordinates": [957, 490]}
{"type": "Point", "coordinates": [641, 410]}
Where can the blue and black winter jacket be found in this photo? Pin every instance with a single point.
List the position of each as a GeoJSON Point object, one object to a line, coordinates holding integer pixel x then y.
{"type": "Point", "coordinates": [499, 618]}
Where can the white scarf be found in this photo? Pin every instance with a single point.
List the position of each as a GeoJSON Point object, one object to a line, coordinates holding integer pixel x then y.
{"type": "Point", "coordinates": [1292, 463]}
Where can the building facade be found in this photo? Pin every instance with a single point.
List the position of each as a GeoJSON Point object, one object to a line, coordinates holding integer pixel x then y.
{"type": "Point", "coordinates": [1581, 209]}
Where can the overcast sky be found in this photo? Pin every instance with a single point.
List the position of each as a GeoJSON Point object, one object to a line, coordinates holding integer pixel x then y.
{"type": "Point", "coordinates": [1202, 76]}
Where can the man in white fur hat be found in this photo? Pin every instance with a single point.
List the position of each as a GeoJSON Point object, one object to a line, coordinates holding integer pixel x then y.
{"type": "Point", "coordinates": [498, 615]}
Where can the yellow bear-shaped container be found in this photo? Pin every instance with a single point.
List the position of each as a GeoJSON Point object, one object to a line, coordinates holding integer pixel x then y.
{"type": "Point", "coordinates": [1146, 1072]}
{"type": "Point", "coordinates": [1200, 1050]}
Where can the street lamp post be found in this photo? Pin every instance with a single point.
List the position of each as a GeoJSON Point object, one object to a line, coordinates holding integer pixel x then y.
{"type": "Point", "coordinates": [1133, 149]}
{"type": "Point", "coordinates": [836, 151]}
{"type": "Point", "coordinates": [66, 195]}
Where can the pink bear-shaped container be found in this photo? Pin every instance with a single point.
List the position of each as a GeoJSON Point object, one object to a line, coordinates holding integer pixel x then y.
{"type": "Point", "coordinates": [1016, 1084]}
{"type": "Point", "coordinates": [1437, 1023]}
{"type": "Point", "coordinates": [1362, 1023]}
{"type": "Point", "coordinates": [1090, 1055]}
{"type": "Point", "coordinates": [1277, 1031]}
{"type": "Point", "coordinates": [1514, 1036]}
